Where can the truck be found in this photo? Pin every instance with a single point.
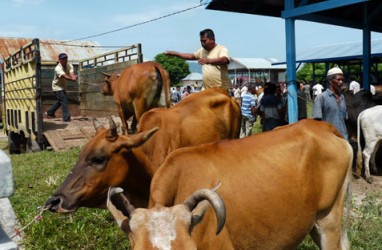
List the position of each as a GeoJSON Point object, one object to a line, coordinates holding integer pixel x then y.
{"type": "Point", "coordinates": [27, 94]}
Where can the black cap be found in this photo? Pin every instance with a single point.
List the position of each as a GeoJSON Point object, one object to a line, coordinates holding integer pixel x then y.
{"type": "Point", "coordinates": [62, 56]}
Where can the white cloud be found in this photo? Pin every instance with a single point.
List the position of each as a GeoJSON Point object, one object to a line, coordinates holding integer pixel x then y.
{"type": "Point", "coordinates": [18, 30]}
{"type": "Point", "coordinates": [36, 2]}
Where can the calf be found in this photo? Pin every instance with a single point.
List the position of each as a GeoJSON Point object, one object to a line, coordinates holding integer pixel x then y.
{"type": "Point", "coordinates": [369, 123]}
{"type": "Point", "coordinates": [140, 87]}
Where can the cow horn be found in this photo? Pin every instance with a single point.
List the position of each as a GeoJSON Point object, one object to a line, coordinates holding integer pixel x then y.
{"type": "Point", "coordinates": [198, 197]}
{"type": "Point", "coordinates": [97, 125]}
{"type": "Point", "coordinates": [112, 129]}
{"type": "Point", "coordinates": [106, 74]}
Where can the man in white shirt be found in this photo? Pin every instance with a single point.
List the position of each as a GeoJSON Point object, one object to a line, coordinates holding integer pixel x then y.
{"type": "Point", "coordinates": [214, 59]}
{"type": "Point", "coordinates": [354, 86]}
{"type": "Point", "coordinates": [62, 72]}
{"type": "Point", "coordinates": [317, 89]}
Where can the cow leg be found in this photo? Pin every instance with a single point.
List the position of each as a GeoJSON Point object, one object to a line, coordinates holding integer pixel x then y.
{"type": "Point", "coordinates": [139, 108]}
{"type": "Point", "coordinates": [327, 230]}
{"type": "Point", "coordinates": [134, 124]}
{"type": "Point", "coordinates": [372, 161]}
{"type": "Point", "coordinates": [367, 152]}
{"type": "Point", "coordinates": [123, 120]}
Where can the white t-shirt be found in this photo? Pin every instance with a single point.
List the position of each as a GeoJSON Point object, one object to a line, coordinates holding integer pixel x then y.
{"type": "Point", "coordinates": [59, 83]}
{"type": "Point", "coordinates": [317, 89]}
{"type": "Point", "coordinates": [237, 93]}
{"type": "Point", "coordinates": [372, 89]}
{"type": "Point", "coordinates": [355, 87]}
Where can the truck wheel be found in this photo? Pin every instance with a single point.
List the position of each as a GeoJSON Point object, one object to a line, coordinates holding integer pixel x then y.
{"type": "Point", "coordinates": [27, 145]}
{"type": "Point", "coordinates": [32, 146]}
{"type": "Point", "coordinates": [14, 143]}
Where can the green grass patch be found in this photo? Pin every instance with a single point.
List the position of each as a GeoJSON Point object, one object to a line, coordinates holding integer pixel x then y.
{"type": "Point", "coordinates": [36, 177]}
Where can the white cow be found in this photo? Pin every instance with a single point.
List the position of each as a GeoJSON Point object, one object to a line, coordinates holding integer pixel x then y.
{"type": "Point", "coordinates": [370, 121]}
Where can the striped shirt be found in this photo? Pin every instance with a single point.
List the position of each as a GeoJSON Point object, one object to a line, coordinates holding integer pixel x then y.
{"type": "Point", "coordinates": [248, 101]}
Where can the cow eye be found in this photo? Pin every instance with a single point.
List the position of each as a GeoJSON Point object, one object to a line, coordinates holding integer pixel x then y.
{"type": "Point", "coordinates": [98, 161]}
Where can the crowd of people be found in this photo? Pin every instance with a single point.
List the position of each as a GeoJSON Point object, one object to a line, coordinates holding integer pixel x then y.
{"type": "Point", "coordinates": [178, 93]}
{"type": "Point", "coordinates": [270, 104]}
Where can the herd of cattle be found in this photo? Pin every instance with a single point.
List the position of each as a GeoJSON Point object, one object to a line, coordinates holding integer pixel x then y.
{"type": "Point", "coordinates": [267, 191]}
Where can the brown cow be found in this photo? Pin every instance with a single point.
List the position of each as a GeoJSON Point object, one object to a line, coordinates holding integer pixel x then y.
{"type": "Point", "coordinates": [140, 87]}
{"type": "Point", "coordinates": [110, 159]}
{"type": "Point", "coordinates": [278, 187]}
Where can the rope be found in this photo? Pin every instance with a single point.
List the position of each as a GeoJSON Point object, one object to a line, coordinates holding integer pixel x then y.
{"type": "Point", "coordinates": [141, 23]}
{"type": "Point", "coordinates": [37, 218]}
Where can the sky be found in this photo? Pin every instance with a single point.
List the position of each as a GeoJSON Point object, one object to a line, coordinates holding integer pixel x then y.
{"type": "Point", "coordinates": [245, 36]}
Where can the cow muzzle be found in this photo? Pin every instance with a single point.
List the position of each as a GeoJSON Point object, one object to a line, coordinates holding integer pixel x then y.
{"type": "Point", "coordinates": [55, 204]}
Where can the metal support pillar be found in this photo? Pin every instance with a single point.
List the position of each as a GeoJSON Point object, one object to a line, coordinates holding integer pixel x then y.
{"type": "Point", "coordinates": [366, 50]}
{"type": "Point", "coordinates": [291, 64]}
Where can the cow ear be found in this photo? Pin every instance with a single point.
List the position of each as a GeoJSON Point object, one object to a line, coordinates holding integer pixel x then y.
{"type": "Point", "coordinates": [198, 213]}
{"type": "Point", "coordinates": [120, 207]}
{"type": "Point", "coordinates": [137, 140]}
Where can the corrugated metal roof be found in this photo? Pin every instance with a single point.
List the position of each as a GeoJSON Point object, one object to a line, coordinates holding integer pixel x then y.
{"type": "Point", "coordinates": [337, 52]}
{"type": "Point", "coordinates": [343, 51]}
{"type": "Point", "coordinates": [49, 49]}
{"type": "Point", "coordinates": [254, 63]}
{"type": "Point", "coordinates": [193, 77]}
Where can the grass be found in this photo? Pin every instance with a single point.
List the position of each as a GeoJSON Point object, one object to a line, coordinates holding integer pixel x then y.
{"type": "Point", "coordinates": [37, 175]}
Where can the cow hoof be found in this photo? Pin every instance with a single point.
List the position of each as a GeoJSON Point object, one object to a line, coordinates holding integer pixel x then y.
{"type": "Point", "coordinates": [356, 175]}
{"type": "Point", "coordinates": [369, 180]}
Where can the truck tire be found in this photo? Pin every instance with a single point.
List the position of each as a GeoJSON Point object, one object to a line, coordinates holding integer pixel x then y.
{"type": "Point", "coordinates": [14, 143]}
{"type": "Point", "coordinates": [27, 145]}
{"type": "Point", "coordinates": [32, 146]}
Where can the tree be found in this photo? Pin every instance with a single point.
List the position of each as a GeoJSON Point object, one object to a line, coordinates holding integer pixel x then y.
{"type": "Point", "coordinates": [176, 67]}
{"type": "Point", "coordinates": [306, 72]}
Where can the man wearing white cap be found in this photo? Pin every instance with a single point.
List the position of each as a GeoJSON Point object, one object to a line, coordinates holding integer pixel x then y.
{"type": "Point", "coordinates": [330, 105]}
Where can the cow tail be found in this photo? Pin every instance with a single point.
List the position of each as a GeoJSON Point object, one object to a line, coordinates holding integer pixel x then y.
{"type": "Point", "coordinates": [165, 86]}
{"type": "Point", "coordinates": [359, 149]}
{"type": "Point", "coordinates": [159, 81]}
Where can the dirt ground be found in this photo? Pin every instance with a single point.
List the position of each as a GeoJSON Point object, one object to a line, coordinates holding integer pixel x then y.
{"type": "Point", "coordinates": [360, 188]}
